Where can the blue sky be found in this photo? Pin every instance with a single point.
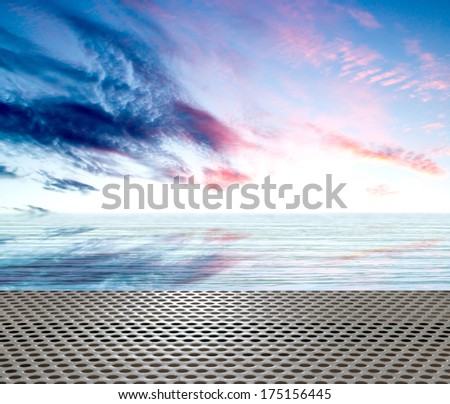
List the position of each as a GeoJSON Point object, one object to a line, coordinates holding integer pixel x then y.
{"type": "Point", "coordinates": [225, 91]}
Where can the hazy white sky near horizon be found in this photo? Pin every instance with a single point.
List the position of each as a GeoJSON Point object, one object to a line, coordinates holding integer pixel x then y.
{"type": "Point", "coordinates": [228, 92]}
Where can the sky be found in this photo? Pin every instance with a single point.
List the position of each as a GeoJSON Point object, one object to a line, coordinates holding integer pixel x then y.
{"type": "Point", "coordinates": [226, 91]}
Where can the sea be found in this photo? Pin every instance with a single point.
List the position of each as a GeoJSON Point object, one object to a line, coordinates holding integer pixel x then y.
{"type": "Point", "coordinates": [239, 251]}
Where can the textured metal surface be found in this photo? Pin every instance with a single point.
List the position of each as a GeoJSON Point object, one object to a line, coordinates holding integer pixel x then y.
{"type": "Point", "coordinates": [231, 337]}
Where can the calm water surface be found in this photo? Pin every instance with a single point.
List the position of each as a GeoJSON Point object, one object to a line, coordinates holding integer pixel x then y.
{"type": "Point", "coordinates": [225, 252]}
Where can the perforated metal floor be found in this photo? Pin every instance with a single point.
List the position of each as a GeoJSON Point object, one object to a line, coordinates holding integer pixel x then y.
{"type": "Point", "coordinates": [225, 337]}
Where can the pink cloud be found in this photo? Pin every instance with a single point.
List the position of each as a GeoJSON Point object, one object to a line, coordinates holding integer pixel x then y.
{"type": "Point", "coordinates": [364, 18]}
{"type": "Point", "coordinates": [394, 155]}
{"type": "Point", "coordinates": [441, 151]}
{"type": "Point", "coordinates": [352, 56]}
{"type": "Point", "coordinates": [436, 85]}
{"type": "Point", "coordinates": [385, 75]}
{"type": "Point", "coordinates": [394, 81]}
{"type": "Point", "coordinates": [297, 44]}
{"type": "Point", "coordinates": [409, 85]}
{"type": "Point", "coordinates": [365, 73]}
{"type": "Point", "coordinates": [381, 190]}
{"type": "Point", "coordinates": [399, 156]}
{"type": "Point", "coordinates": [223, 176]}
{"type": "Point", "coordinates": [435, 73]}
{"type": "Point", "coordinates": [431, 74]}
{"type": "Point", "coordinates": [429, 127]}
{"type": "Point", "coordinates": [375, 75]}
{"type": "Point", "coordinates": [202, 127]}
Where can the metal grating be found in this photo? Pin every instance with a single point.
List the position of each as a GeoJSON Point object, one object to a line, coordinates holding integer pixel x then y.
{"type": "Point", "coordinates": [224, 337]}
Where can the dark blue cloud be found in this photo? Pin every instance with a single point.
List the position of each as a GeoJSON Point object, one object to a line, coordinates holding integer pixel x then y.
{"type": "Point", "coordinates": [119, 97]}
{"type": "Point", "coordinates": [19, 55]}
{"type": "Point", "coordinates": [33, 210]}
{"type": "Point", "coordinates": [57, 184]}
{"type": "Point", "coordinates": [7, 173]}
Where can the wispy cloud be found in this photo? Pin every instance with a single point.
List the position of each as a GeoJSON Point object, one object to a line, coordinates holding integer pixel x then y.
{"type": "Point", "coordinates": [125, 101]}
{"type": "Point", "coordinates": [65, 184]}
{"type": "Point", "coordinates": [32, 210]}
{"type": "Point", "coordinates": [223, 176]}
{"type": "Point", "coordinates": [435, 72]}
{"type": "Point", "coordinates": [353, 57]}
{"type": "Point", "coordinates": [364, 18]}
{"type": "Point", "coordinates": [391, 154]}
{"type": "Point", "coordinates": [432, 126]}
{"type": "Point", "coordinates": [381, 190]}
{"type": "Point", "coordinates": [5, 172]}
{"type": "Point", "coordinates": [365, 73]}
{"type": "Point", "coordinates": [396, 155]}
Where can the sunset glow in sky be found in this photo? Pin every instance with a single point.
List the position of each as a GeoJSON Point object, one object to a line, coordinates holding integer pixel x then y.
{"type": "Point", "coordinates": [225, 91]}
